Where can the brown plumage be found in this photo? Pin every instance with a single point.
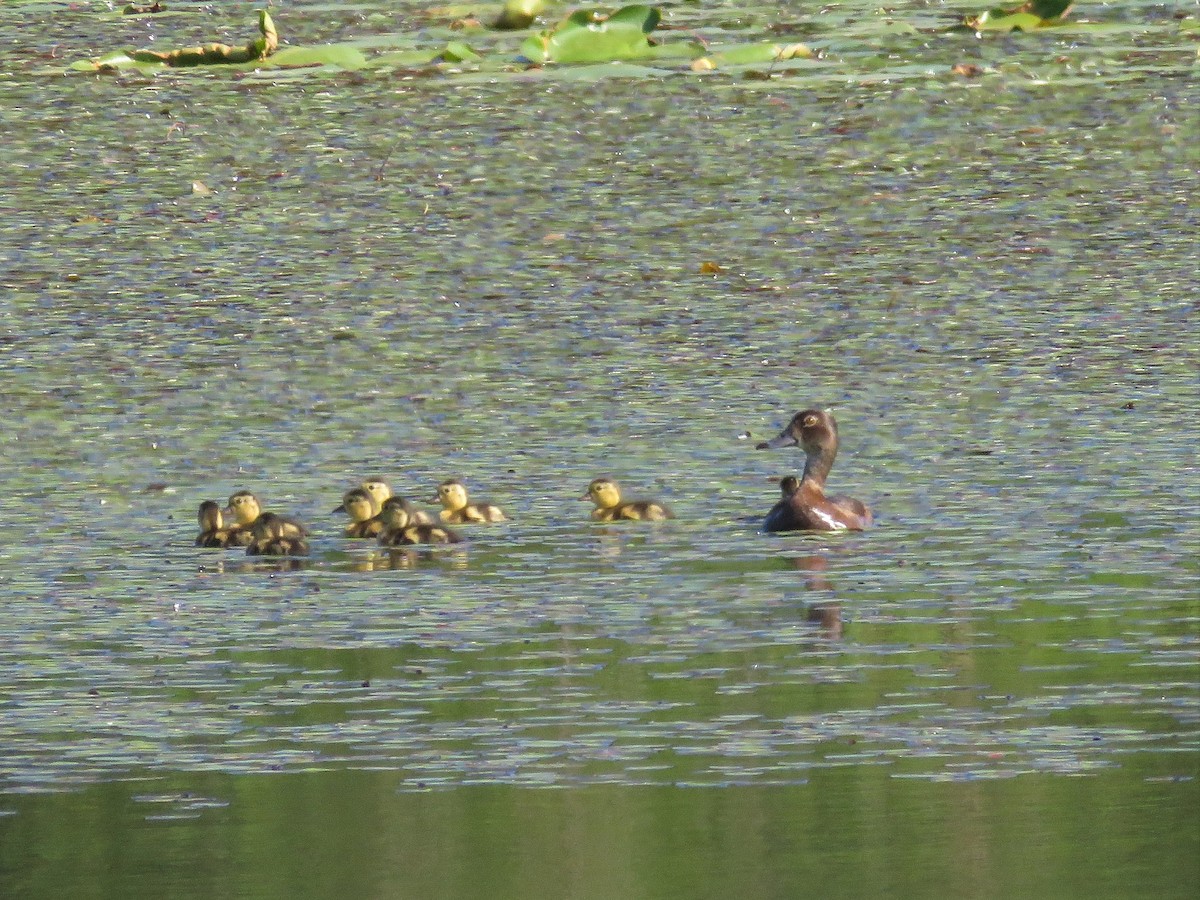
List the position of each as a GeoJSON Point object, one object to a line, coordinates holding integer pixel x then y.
{"type": "Point", "coordinates": [401, 530]}
{"type": "Point", "coordinates": [275, 535]}
{"type": "Point", "coordinates": [807, 507]}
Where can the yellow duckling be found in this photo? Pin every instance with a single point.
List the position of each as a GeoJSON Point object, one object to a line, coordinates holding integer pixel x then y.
{"type": "Point", "coordinates": [364, 514]}
{"type": "Point", "coordinates": [274, 535]}
{"type": "Point", "coordinates": [381, 492]}
{"type": "Point", "coordinates": [213, 532]}
{"type": "Point", "coordinates": [245, 509]}
{"type": "Point", "coordinates": [457, 511]}
{"type": "Point", "coordinates": [606, 494]}
{"type": "Point", "coordinates": [402, 530]}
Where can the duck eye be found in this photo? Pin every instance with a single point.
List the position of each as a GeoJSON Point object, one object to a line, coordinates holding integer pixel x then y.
{"type": "Point", "coordinates": [810, 421]}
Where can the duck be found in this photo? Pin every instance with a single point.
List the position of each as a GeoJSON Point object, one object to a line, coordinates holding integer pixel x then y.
{"type": "Point", "coordinates": [606, 494]}
{"type": "Point", "coordinates": [457, 511]}
{"type": "Point", "coordinates": [402, 530]}
{"type": "Point", "coordinates": [364, 514]}
{"type": "Point", "coordinates": [275, 535]}
{"type": "Point", "coordinates": [381, 492]}
{"type": "Point", "coordinates": [805, 506]}
{"type": "Point", "coordinates": [213, 532]}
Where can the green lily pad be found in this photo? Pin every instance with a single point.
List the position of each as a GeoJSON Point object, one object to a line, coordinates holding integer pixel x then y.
{"type": "Point", "coordinates": [1026, 17]}
{"type": "Point", "coordinates": [342, 56]}
{"type": "Point", "coordinates": [587, 36]}
{"type": "Point", "coordinates": [751, 55]}
{"type": "Point", "coordinates": [457, 52]}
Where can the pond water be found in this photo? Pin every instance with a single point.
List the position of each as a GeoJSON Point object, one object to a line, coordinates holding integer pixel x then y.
{"type": "Point", "coordinates": [289, 281]}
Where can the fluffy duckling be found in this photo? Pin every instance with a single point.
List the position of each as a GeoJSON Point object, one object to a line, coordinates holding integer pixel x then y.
{"type": "Point", "coordinates": [364, 514]}
{"type": "Point", "coordinates": [274, 535]}
{"type": "Point", "coordinates": [807, 507]}
{"type": "Point", "coordinates": [402, 530]}
{"type": "Point", "coordinates": [606, 494]}
{"type": "Point", "coordinates": [246, 512]}
{"type": "Point", "coordinates": [213, 532]}
{"type": "Point", "coordinates": [381, 492]}
{"type": "Point", "coordinates": [245, 509]}
{"type": "Point", "coordinates": [457, 511]}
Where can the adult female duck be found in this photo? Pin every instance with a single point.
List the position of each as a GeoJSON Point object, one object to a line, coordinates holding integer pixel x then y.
{"type": "Point", "coordinates": [807, 507]}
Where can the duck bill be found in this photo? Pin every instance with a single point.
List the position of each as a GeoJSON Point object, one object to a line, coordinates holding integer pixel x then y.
{"type": "Point", "coordinates": [341, 507]}
{"type": "Point", "coordinates": [783, 439]}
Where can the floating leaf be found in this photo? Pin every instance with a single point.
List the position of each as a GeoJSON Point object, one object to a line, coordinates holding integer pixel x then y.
{"type": "Point", "coordinates": [752, 54]}
{"type": "Point", "coordinates": [587, 36]}
{"type": "Point", "coordinates": [457, 51]}
{"type": "Point", "coordinates": [341, 56]}
{"type": "Point", "coordinates": [1026, 17]}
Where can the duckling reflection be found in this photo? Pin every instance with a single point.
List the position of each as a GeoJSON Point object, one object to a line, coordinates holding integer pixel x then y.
{"type": "Point", "coordinates": [360, 505]}
{"type": "Point", "coordinates": [457, 510]}
{"type": "Point", "coordinates": [213, 532]}
{"type": "Point", "coordinates": [275, 535]}
{"type": "Point", "coordinates": [381, 492]}
{"type": "Point", "coordinates": [606, 495]}
{"type": "Point", "coordinates": [401, 530]}
{"type": "Point", "coordinates": [807, 507]}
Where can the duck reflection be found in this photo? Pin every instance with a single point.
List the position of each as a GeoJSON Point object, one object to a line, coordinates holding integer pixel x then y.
{"type": "Point", "coordinates": [825, 615]}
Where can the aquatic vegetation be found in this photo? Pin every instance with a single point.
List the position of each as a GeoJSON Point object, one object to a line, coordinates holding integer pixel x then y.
{"type": "Point", "coordinates": [589, 36]}
{"type": "Point", "coordinates": [258, 49]}
{"type": "Point", "coordinates": [1026, 17]}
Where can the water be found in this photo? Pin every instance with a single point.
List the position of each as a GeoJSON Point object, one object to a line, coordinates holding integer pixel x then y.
{"type": "Point", "coordinates": [991, 281]}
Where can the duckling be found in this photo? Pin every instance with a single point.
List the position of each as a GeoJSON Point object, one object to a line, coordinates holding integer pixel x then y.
{"type": "Point", "coordinates": [364, 514]}
{"type": "Point", "coordinates": [275, 535]}
{"type": "Point", "coordinates": [402, 530]}
{"type": "Point", "coordinates": [245, 509]}
{"type": "Point", "coordinates": [807, 507]}
{"type": "Point", "coordinates": [381, 491]}
{"type": "Point", "coordinates": [606, 494]}
{"type": "Point", "coordinates": [212, 530]}
{"type": "Point", "coordinates": [458, 511]}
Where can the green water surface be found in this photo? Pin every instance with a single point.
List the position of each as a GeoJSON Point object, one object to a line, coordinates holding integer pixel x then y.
{"type": "Point", "coordinates": [289, 280]}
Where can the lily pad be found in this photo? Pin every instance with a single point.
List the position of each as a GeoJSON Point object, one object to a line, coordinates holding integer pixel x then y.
{"type": "Point", "coordinates": [751, 55]}
{"type": "Point", "coordinates": [342, 56]}
{"type": "Point", "coordinates": [1026, 17]}
{"type": "Point", "coordinates": [588, 36]}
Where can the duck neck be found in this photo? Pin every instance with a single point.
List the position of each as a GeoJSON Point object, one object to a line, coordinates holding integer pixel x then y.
{"type": "Point", "coordinates": [816, 468]}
